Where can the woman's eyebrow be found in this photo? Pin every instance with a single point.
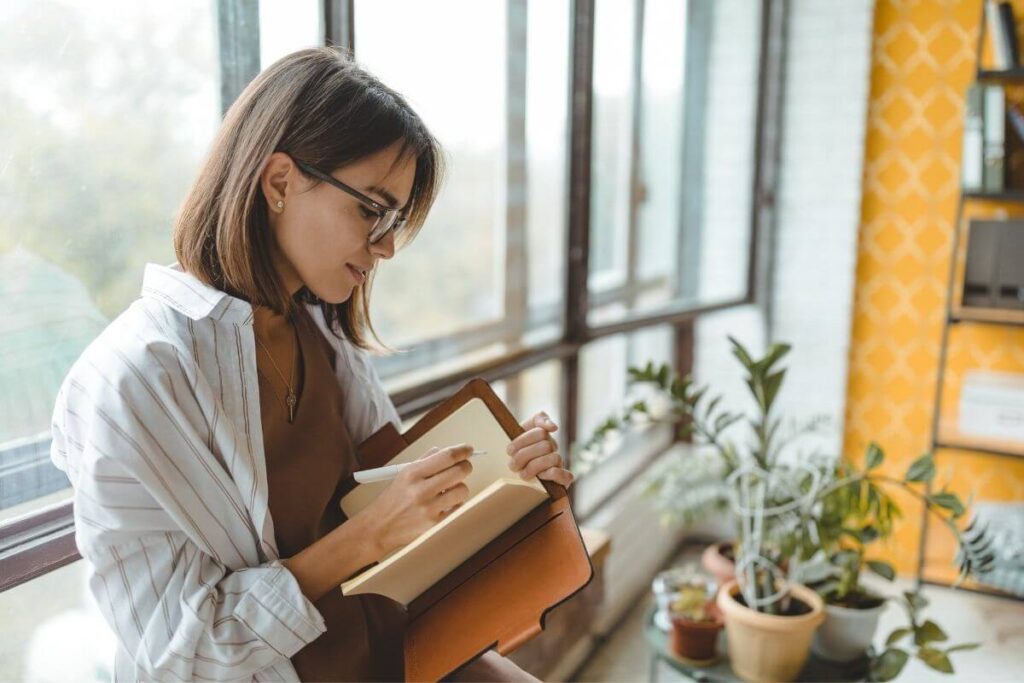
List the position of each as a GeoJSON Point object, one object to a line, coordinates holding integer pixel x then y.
{"type": "Point", "coordinates": [389, 198]}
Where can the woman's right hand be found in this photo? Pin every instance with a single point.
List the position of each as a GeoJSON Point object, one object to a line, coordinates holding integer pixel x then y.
{"type": "Point", "coordinates": [422, 494]}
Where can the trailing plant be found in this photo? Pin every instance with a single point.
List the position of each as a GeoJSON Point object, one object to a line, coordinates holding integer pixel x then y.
{"type": "Point", "coordinates": [921, 638]}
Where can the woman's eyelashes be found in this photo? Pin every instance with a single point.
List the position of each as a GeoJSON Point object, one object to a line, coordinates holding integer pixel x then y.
{"type": "Point", "coordinates": [366, 213]}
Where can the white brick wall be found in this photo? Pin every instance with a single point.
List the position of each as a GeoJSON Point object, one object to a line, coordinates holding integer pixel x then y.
{"type": "Point", "coordinates": [824, 107]}
{"type": "Point", "coordinates": [827, 78]}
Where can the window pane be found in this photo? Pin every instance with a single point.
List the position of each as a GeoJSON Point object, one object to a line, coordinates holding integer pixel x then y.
{"type": "Point", "coordinates": [661, 126]}
{"type": "Point", "coordinates": [688, 236]}
{"type": "Point", "coordinates": [612, 143]}
{"type": "Point", "coordinates": [729, 130]}
{"type": "Point", "coordinates": [108, 109]}
{"type": "Point", "coordinates": [603, 393]}
{"type": "Point", "coordinates": [547, 135]}
{"type": "Point", "coordinates": [449, 279]}
{"type": "Point", "coordinates": [287, 26]}
{"type": "Point", "coordinates": [488, 266]}
{"type": "Point", "coordinates": [53, 630]}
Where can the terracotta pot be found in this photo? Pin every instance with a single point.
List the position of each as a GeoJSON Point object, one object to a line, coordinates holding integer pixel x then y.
{"type": "Point", "coordinates": [846, 633]}
{"type": "Point", "coordinates": [697, 641]}
{"type": "Point", "coordinates": [769, 647]}
{"type": "Point", "coordinates": [717, 564]}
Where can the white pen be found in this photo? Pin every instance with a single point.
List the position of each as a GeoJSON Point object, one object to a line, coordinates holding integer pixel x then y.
{"type": "Point", "coordinates": [389, 471]}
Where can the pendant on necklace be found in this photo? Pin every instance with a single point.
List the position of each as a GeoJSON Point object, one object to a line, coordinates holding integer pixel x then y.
{"type": "Point", "coordinates": [290, 400]}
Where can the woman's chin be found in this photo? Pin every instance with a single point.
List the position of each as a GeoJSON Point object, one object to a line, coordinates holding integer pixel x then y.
{"type": "Point", "coordinates": [337, 294]}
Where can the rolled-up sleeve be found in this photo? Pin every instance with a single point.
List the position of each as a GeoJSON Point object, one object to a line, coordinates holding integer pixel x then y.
{"type": "Point", "coordinates": [182, 615]}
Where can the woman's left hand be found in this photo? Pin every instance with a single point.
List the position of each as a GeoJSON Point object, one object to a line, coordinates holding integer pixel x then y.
{"type": "Point", "coordinates": [535, 454]}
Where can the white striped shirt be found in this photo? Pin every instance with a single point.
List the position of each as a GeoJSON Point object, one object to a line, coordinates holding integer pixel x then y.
{"type": "Point", "coordinates": [157, 425]}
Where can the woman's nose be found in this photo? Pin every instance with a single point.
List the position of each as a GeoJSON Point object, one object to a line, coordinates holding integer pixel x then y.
{"type": "Point", "coordinates": [385, 246]}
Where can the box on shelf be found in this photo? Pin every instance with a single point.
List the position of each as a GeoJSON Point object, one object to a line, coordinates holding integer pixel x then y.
{"type": "Point", "coordinates": [992, 405]}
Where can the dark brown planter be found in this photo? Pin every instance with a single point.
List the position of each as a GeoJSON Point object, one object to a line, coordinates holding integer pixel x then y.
{"type": "Point", "coordinates": [697, 641]}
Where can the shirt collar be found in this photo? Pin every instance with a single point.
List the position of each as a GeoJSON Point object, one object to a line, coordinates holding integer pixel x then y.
{"type": "Point", "coordinates": [191, 296]}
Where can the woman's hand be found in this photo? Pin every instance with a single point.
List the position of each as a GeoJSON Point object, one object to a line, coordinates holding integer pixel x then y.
{"type": "Point", "coordinates": [421, 495]}
{"type": "Point", "coordinates": [535, 454]}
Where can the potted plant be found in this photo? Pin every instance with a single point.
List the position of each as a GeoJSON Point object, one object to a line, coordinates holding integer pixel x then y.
{"type": "Point", "coordinates": [696, 622]}
{"type": "Point", "coordinates": [857, 510]}
{"type": "Point", "coordinates": [781, 504]}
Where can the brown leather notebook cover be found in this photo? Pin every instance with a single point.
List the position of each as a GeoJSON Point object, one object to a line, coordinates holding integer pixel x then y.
{"type": "Point", "coordinates": [500, 596]}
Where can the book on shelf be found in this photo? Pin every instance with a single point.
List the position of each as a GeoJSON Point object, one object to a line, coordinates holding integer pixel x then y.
{"type": "Point", "coordinates": [1009, 27]}
{"type": "Point", "coordinates": [991, 406]}
{"type": "Point", "coordinates": [994, 115]}
{"type": "Point", "coordinates": [994, 269]}
{"type": "Point", "coordinates": [993, 25]}
{"type": "Point", "coordinates": [1002, 31]}
{"type": "Point", "coordinates": [972, 158]}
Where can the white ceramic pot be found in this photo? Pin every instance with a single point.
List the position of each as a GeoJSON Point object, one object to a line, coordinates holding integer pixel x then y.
{"type": "Point", "coordinates": [846, 633]}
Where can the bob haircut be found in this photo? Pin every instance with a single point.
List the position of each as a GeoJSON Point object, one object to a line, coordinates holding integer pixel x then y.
{"type": "Point", "coordinates": [319, 106]}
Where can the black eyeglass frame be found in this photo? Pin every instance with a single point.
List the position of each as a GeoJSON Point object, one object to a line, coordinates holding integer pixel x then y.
{"type": "Point", "coordinates": [389, 218]}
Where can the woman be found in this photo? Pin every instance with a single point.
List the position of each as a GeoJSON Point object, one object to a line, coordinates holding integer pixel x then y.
{"type": "Point", "coordinates": [207, 429]}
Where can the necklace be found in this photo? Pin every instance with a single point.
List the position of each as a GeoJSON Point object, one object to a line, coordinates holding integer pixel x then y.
{"type": "Point", "coordinates": [291, 399]}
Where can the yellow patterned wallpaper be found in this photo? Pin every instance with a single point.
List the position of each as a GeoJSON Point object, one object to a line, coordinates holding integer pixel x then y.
{"type": "Point", "coordinates": [923, 59]}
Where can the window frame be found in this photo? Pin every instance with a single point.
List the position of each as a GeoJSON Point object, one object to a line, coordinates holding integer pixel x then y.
{"type": "Point", "coordinates": [44, 540]}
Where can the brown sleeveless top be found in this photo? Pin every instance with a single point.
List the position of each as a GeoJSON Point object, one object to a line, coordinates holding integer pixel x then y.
{"type": "Point", "coordinates": [306, 462]}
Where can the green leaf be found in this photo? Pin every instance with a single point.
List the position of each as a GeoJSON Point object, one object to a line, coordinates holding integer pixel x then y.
{"type": "Point", "coordinates": [663, 376]}
{"type": "Point", "coordinates": [740, 352]}
{"type": "Point", "coordinates": [883, 569]}
{"type": "Point", "coordinates": [949, 501]}
{"type": "Point", "coordinates": [916, 600]}
{"type": "Point", "coordinates": [889, 665]}
{"type": "Point", "coordinates": [874, 458]}
{"type": "Point", "coordinates": [897, 635]}
{"type": "Point", "coordinates": [929, 632]}
{"type": "Point", "coordinates": [772, 383]}
{"type": "Point", "coordinates": [922, 469]}
{"type": "Point", "coordinates": [936, 659]}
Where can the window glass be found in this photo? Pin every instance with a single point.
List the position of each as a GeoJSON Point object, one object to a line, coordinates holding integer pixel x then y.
{"type": "Point", "coordinates": [54, 631]}
{"type": "Point", "coordinates": [473, 278]}
{"type": "Point", "coordinates": [109, 107]}
{"type": "Point", "coordinates": [287, 26]}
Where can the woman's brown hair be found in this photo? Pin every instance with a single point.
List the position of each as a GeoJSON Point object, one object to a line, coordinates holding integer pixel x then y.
{"type": "Point", "coordinates": [319, 106]}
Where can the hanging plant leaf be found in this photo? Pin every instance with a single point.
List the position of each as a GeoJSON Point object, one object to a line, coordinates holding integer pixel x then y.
{"type": "Point", "coordinates": [929, 632]}
{"type": "Point", "coordinates": [889, 665]}
{"type": "Point", "coordinates": [883, 569]}
{"type": "Point", "coordinates": [921, 470]}
{"type": "Point", "coordinates": [936, 659]}
{"type": "Point", "coordinates": [874, 458]}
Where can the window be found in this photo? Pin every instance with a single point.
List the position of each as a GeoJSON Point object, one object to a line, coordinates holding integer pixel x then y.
{"type": "Point", "coordinates": [485, 275]}
{"type": "Point", "coordinates": [111, 107]}
{"type": "Point", "coordinates": [108, 109]}
{"type": "Point", "coordinates": [288, 25]}
{"type": "Point", "coordinates": [674, 115]}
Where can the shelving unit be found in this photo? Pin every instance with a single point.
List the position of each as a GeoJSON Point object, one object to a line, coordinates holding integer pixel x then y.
{"type": "Point", "coordinates": [945, 436]}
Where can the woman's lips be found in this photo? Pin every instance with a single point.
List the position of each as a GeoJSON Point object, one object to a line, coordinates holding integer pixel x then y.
{"type": "Point", "coordinates": [356, 274]}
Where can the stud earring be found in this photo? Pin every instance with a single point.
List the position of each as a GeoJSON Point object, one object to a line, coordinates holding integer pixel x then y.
{"type": "Point", "coordinates": [280, 204]}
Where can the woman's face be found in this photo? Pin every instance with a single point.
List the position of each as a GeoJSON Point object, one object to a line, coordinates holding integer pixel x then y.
{"type": "Point", "coordinates": [322, 230]}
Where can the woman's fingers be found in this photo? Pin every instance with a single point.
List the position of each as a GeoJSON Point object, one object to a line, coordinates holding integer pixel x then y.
{"type": "Point", "coordinates": [530, 451]}
{"type": "Point", "coordinates": [448, 477]}
{"type": "Point", "coordinates": [540, 464]}
{"type": "Point", "coordinates": [450, 498]}
{"type": "Point", "coordinates": [557, 475]}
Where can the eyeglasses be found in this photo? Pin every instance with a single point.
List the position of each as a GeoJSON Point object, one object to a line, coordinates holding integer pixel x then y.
{"type": "Point", "coordinates": [387, 217]}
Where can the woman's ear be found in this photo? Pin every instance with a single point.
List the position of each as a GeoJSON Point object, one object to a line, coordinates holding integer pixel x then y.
{"type": "Point", "coordinates": [274, 180]}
